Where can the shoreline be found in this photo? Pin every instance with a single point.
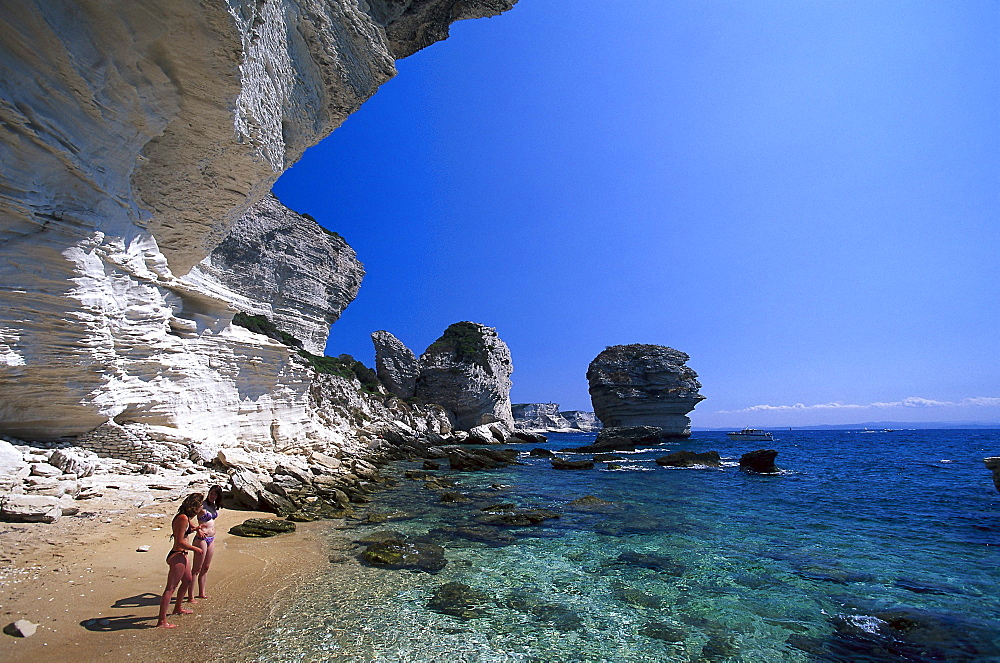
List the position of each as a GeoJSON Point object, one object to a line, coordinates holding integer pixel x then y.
{"type": "Point", "coordinates": [63, 575]}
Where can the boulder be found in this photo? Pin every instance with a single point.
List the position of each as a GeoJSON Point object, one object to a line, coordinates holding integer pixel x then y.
{"type": "Point", "coordinates": [690, 459]}
{"type": "Point", "coordinates": [760, 461]}
{"type": "Point", "coordinates": [13, 469]}
{"type": "Point", "coordinates": [480, 459]}
{"type": "Point", "coordinates": [467, 371]}
{"type": "Point", "coordinates": [395, 364]}
{"type": "Point", "coordinates": [248, 489]}
{"type": "Point", "coordinates": [644, 385]}
{"type": "Point", "coordinates": [72, 462]}
{"type": "Point", "coordinates": [262, 527]}
{"type": "Point", "coordinates": [396, 554]}
{"type": "Point", "coordinates": [484, 434]}
{"type": "Point", "coordinates": [563, 464]}
{"type": "Point", "coordinates": [527, 436]}
{"type": "Point", "coordinates": [542, 453]}
{"type": "Point", "coordinates": [30, 508]}
{"type": "Point", "coordinates": [517, 517]}
{"type": "Point", "coordinates": [993, 464]}
{"type": "Point", "coordinates": [45, 470]}
{"type": "Point", "coordinates": [326, 464]}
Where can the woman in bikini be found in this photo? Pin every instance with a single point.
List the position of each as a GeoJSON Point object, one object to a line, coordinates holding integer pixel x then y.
{"type": "Point", "coordinates": [183, 526]}
{"type": "Point", "coordinates": [204, 540]}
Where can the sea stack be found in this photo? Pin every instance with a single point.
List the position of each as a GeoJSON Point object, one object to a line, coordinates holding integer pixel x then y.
{"type": "Point", "coordinates": [467, 371]}
{"type": "Point", "coordinates": [396, 365]}
{"type": "Point", "coordinates": [641, 385]}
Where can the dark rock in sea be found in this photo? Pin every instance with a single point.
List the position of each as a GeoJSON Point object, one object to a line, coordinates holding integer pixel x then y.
{"type": "Point", "coordinates": [630, 595]}
{"type": "Point", "coordinates": [613, 466]}
{"type": "Point", "coordinates": [625, 438]}
{"type": "Point", "coordinates": [491, 536]}
{"type": "Point", "coordinates": [644, 385]}
{"type": "Point", "coordinates": [603, 458]}
{"type": "Point", "coordinates": [518, 517]}
{"type": "Point", "coordinates": [690, 459]}
{"type": "Point", "coordinates": [525, 436]}
{"type": "Point", "coordinates": [661, 631]}
{"type": "Point", "coordinates": [480, 459]}
{"type": "Point", "coordinates": [563, 464]}
{"type": "Point", "coordinates": [542, 453]}
{"type": "Point", "coordinates": [719, 647]}
{"type": "Point", "coordinates": [903, 634]}
{"type": "Point", "coordinates": [760, 461]}
{"type": "Point", "coordinates": [590, 501]}
{"type": "Point", "coordinates": [431, 465]}
{"type": "Point", "coordinates": [454, 496]}
{"type": "Point", "coordinates": [832, 574]}
{"type": "Point", "coordinates": [498, 508]}
{"type": "Point", "coordinates": [560, 617]}
{"type": "Point", "coordinates": [262, 527]}
{"type": "Point", "coordinates": [405, 555]}
{"type": "Point", "coordinates": [660, 563]}
{"type": "Point", "coordinates": [459, 600]}
{"type": "Point", "coordinates": [993, 465]}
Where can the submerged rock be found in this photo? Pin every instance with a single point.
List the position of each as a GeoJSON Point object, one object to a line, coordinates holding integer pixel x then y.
{"type": "Point", "coordinates": [559, 616]}
{"type": "Point", "coordinates": [459, 600]}
{"type": "Point", "coordinates": [491, 536]}
{"type": "Point", "coordinates": [644, 385]}
{"type": "Point", "coordinates": [563, 464]}
{"type": "Point", "coordinates": [760, 461]}
{"type": "Point", "coordinates": [660, 563]}
{"type": "Point", "coordinates": [518, 517]}
{"type": "Point", "coordinates": [262, 527]}
{"type": "Point", "coordinates": [690, 459]}
{"type": "Point", "coordinates": [396, 554]}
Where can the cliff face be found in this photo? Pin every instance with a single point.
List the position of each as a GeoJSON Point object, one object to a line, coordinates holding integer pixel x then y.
{"type": "Point", "coordinates": [539, 417]}
{"type": "Point", "coordinates": [468, 371]}
{"type": "Point", "coordinates": [135, 136]}
{"type": "Point", "coordinates": [582, 420]}
{"type": "Point", "coordinates": [644, 385]}
{"type": "Point", "coordinates": [396, 365]}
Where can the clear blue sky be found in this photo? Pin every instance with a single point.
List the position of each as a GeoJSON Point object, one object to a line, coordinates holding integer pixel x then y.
{"type": "Point", "coordinates": [803, 196]}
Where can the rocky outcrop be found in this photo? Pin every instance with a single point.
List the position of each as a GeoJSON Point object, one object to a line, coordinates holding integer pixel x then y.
{"type": "Point", "coordinates": [546, 417]}
{"type": "Point", "coordinates": [993, 464]}
{"type": "Point", "coordinates": [644, 385]}
{"type": "Point", "coordinates": [760, 461]}
{"type": "Point", "coordinates": [139, 142]}
{"type": "Point", "coordinates": [286, 267]}
{"type": "Point", "coordinates": [690, 459]}
{"type": "Point", "coordinates": [467, 371]}
{"type": "Point", "coordinates": [395, 364]}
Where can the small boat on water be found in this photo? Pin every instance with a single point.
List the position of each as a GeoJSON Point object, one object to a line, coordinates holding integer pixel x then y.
{"type": "Point", "coordinates": [751, 435]}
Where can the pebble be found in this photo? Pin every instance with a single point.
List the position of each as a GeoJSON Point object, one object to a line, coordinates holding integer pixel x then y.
{"type": "Point", "coordinates": [142, 549]}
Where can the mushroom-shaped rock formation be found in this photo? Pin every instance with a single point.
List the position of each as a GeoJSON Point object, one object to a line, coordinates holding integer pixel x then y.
{"type": "Point", "coordinates": [395, 364]}
{"type": "Point", "coordinates": [467, 371]}
{"type": "Point", "coordinates": [644, 385]}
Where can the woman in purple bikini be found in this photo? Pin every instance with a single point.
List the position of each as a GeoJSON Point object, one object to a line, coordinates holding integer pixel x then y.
{"type": "Point", "coordinates": [182, 526]}
{"type": "Point", "coordinates": [204, 540]}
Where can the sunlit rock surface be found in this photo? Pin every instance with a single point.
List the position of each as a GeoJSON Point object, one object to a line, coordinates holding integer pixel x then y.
{"type": "Point", "coordinates": [468, 371]}
{"type": "Point", "coordinates": [133, 136]}
{"type": "Point", "coordinates": [395, 364]}
{"type": "Point", "coordinates": [644, 385]}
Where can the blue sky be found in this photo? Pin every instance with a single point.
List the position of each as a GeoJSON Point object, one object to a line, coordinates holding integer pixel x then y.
{"type": "Point", "coordinates": [802, 196]}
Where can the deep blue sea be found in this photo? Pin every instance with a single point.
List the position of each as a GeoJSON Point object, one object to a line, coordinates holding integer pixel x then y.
{"type": "Point", "coordinates": [868, 546]}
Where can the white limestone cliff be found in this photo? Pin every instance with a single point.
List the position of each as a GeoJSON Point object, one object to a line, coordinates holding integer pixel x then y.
{"type": "Point", "coordinates": [134, 137]}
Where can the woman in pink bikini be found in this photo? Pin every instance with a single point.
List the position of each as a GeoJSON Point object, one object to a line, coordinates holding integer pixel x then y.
{"type": "Point", "coordinates": [204, 540]}
{"type": "Point", "coordinates": [182, 526]}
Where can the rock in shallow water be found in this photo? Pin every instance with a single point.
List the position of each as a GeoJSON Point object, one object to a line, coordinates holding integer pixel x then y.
{"type": "Point", "coordinates": [262, 527]}
{"type": "Point", "coordinates": [459, 600]}
{"type": "Point", "coordinates": [396, 554]}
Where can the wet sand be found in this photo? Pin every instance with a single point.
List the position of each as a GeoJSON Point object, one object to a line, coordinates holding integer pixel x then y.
{"type": "Point", "coordinates": [82, 568]}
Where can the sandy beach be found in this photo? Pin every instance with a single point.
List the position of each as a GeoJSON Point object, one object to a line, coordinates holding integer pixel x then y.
{"type": "Point", "coordinates": [93, 595]}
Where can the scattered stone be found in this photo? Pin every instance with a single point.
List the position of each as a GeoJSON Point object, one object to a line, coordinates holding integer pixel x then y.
{"type": "Point", "coordinates": [22, 628]}
{"type": "Point", "coordinates": [405, 555]}
{"type": "Point", "coordinates": [760, 461]}
{"type": "Point", "coordinates": [563, 464]}
{"type": "Point", "coordinates": [458, 600]}
{"type": "Point", "coordinates": [142, 549]}
{"type": "Point", "coordinates": [262, 527]}
{"type": "Point", "coordinates": [690, 459]}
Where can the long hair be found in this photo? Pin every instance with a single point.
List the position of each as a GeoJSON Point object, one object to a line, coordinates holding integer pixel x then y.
{"type": "Point", "coordinates": [189, 507]}
{"type": "Point", "coordinates": [216, 503]}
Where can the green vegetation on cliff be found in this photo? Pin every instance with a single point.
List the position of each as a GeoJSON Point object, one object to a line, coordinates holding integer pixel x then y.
{"type": "Point", "coordinates": [465, 342]}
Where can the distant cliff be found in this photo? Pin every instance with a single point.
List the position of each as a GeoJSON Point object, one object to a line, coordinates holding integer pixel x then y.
{"type": "Point", "coordinates": [644, 385]}
{"type": "Point", "coordinates": [546, 417]}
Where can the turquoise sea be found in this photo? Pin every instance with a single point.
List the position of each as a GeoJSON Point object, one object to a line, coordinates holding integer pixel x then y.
{"type": "Point", "coordinates": [868, 546]}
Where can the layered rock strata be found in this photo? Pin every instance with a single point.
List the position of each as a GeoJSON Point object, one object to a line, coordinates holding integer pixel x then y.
{"type": "Point", "coordinates": [644, 385]}
{"type": "Point", "coordinates": [395, 364]}
{"type": "Point", "coordinates": [139, 142]}
{"type": "Point", "coordinates": [467, 371]}
{"type": "Point", "coordinates": [546, 417]}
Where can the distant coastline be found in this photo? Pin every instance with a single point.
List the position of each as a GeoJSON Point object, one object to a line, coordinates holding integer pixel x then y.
{"type": "Point", "coordinates": [879, 425]}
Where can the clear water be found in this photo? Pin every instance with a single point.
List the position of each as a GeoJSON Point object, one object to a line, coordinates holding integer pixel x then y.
{"type": "Point", "coordinates": [866, 547]}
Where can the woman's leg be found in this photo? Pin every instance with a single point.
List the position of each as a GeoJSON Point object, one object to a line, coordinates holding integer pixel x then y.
{"type": "Point", "coordinates": [206, 562]}
{"type": "Point", "coordinates": [199, 557]}
{"type": "Point", "coordinates": [177, 567]}
{"type": "Point", "coordinates": [186, 581]}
